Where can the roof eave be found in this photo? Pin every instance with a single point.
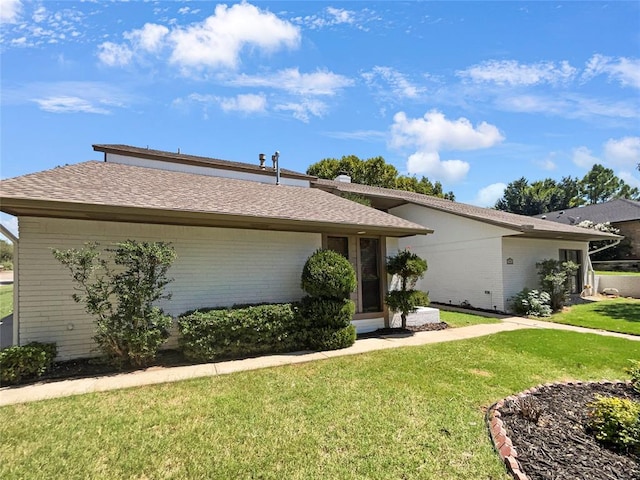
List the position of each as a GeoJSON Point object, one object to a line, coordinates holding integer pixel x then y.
{"type": "Point", "coordinates": [115, 213]}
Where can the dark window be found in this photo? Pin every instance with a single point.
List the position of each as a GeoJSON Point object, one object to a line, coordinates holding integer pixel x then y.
{"type": "Point", "coordinates": [370, 274]}
{"type": "Point", "coordinates": [575, 256]}
{"type": "Point", "coordinates": [340, 245]}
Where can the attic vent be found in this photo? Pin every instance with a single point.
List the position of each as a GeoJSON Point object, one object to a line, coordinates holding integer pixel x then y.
{"type": "Point", "coordinates": [343, 177]}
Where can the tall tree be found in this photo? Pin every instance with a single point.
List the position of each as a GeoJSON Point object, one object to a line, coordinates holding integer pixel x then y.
{"type": "Point", "coordinates": [376, 172]}
{"type": "Point", "coordinates": [600, 184]}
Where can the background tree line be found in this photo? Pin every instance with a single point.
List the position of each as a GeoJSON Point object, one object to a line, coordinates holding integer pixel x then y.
{"type": "Point", "coordinates": [599, 185]}
{"type": "Point", "coordinates": [377, 173]}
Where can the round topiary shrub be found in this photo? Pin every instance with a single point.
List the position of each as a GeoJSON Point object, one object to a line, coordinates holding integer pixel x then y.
{"type": "Point", "coordinates": [331, 339]}
{"type": "Point", "coordinates": [328, 274]}
{"type": "Point", "coordinates": [323, 312]}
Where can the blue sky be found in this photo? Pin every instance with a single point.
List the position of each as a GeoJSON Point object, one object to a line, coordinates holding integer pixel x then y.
{"type": "Point", "coordinates": [473, 94]}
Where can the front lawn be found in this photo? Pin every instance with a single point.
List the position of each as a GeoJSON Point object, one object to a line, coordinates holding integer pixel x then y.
{"type": "Point", "coordinates": [6, 300]}
{"type": "Point", "coordinates": [459, 319]}
{"type": "Point", "coordinates": [414, 412]}
{"type": "Point", "coordinates": [616, 315]}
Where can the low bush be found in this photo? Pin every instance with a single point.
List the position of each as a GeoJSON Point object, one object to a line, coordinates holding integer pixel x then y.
{"type": "Point", "coordinates": [615, 423]}
{"type": "Point", "coordinates": [331, 339]}
{"type": "Point", "coordinates": [328, 274]}
{"type": "Point", "coordinates": [31, 360]}
{"type": "Point", "coordinates": [232, 332]}
{"type": "Point", "coordinates": [531, 303]}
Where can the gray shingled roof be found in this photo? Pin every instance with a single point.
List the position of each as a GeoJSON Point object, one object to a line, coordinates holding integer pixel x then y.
{"type": "Point", "coordinates": [613, 211]}
{"type": "Point", "coordinates": [114, 191]}
{"type": "Point", "coordinates": [174, 157]}
{"type": "Point", "coordinates": [528, 226]}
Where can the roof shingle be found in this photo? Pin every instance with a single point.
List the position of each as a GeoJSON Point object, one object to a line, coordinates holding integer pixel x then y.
{"type": "Point", "coordinates": [150, 191]}
{"type": "Point", "coordinates": [530, 225]}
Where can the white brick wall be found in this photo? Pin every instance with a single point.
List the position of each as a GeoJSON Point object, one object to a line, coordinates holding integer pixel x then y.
{"type": "Point", "coordinates": [463, 257]}
{"type": "Point", "coordinates": [215, 267]}
{"type": "Point", "coordinates": [525, 253]}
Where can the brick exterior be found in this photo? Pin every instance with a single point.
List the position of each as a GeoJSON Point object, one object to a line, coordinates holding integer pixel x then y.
{"type": "Point", "coordinates": [631, 231]}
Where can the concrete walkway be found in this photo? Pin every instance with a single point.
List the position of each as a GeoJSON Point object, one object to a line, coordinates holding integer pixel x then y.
{"type": "Point", "coordinates": [155, 375]}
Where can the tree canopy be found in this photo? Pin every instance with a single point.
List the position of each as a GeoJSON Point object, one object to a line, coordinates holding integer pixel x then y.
{"type": "Point", "coordinates": [377, 173]}
{"type": "Point", "coordinates": [599, 185]}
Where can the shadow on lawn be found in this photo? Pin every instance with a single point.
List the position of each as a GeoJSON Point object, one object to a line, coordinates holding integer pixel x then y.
{"type": "Point", "coordinates": [621, 311]}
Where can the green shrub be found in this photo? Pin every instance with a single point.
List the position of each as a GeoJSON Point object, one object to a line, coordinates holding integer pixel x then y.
{"type": "Point", "coordinates": [531, 303]}
{"type": "Point", "coordinates": [31, 360]}
{"type": "Point", "coordinates": [322, 312]}
{"type": "Point", "coordinates": [615, 423]}
{"type": "Point", "coordinates": [120, 293]}
{"type": "Point", "coordinates": [634, 371]}
{"type": "Point", "coordinates": [232, 332]}
{"type": "Point", "coordinates": [328, 274]}
{"type": "Point", "coordinates": [555, 278]}
{"type": "Point", "coordinates": [331, 339]}
{"type": "Point", "coordinates": [409, 268]}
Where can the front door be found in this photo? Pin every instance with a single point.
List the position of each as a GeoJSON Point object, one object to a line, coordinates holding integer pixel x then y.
{"type": "Point", "coordinates": [575, 256]}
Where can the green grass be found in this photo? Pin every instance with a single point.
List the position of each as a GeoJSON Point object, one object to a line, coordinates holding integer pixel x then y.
{"type": "Point", "coordinates": [616, 315]}
{"type": "Point", "coordinates": [6, 300]}
{"type": "Point", "coordinates": [458, 319]}
{"type": "Point", "coordinates": [412, 413]}
{"type": "Point", "coordinates": [631, 274]}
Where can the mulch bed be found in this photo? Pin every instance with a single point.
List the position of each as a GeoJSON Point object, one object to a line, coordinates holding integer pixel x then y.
{"type": "Point", "coordinates": [403, 332]}
{"type": "Point", "coordinates": [559, 446]}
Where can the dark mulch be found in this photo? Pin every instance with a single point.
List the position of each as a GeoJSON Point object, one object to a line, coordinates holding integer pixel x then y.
{"type": "Point", "coordinates": [559, 446]}
{"type": "Point", "coordinates": [404, 332]}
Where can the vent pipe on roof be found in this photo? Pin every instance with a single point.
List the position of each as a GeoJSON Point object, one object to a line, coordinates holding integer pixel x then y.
{"type": "Point", "coordinates": [276, 165]}
{"type": "Point", "coordinates": [343, 177]}
{"type": "Point", "coordinates": [261, 158]}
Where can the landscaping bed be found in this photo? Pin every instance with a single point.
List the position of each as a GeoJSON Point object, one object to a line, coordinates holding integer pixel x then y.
{"type": "Point", "coordinates": [559, 446]}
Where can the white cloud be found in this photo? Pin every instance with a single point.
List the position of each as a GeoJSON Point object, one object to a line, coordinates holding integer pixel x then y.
{"type": "Point", "coordinates": [247, 103]}
{"type": "Point", "coordinates": [489, 195]}
{"type": "Point", "coordinates": [398, 83]}
{"type": "Point", "coordinates": [429, 163]}
{"type": "Point", "coordinates": [629, 179]}
{"type": "Point", "coordinates": [624, 152]}
{"type": "Point", "coordinates": [546, 163]}
{"type": "Point", "coordinates": [583, 158]}
{"type": "Point", "coordinates": [149, 38]}
{"type": "Point", "coordinates": [304, 109]}
{"type": "Point", "coordinates": [624, 70]}
{"type": "Point", "coordinates": [320, 82]}
{"type": "Point", "coordinates": [434, 132]}
{"type": "Point", "coordinates": [218, 41]}
{"type": "Point", "coordinates": [10, 11]}
{"type": "Point", "coordinates": [511, 72]}
{"type": "Point", "coordinates": [431, 134]}
{"type": "Point", "coordinates": [332, 16]}
{"type": "Point", "coordinates": [69, 104]}
{"type": "Point", "coordinates": [567, 105]}
{"type": "Point", "coordinates": [215, 43]}
{"type": "Point", "coordinates": [114, 55]}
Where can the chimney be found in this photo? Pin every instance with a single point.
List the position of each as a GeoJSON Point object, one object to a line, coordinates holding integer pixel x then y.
{"type": "Point", "coordinates": [343, 177]}
{"type": "Point", "coordinates": [261, 158]}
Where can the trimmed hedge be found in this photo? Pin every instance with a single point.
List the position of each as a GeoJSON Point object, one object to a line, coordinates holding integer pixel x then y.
{"type": "Point", "coordinates": [328, 274]}
{"type": "Point", "coordinates": [323, 312]}
{"type": "Point", "coordinates": [231, 332]}
{"type": "Point", "coordinates": [331, 339]}
{"type": "Point", "coordinates": [31, 360]}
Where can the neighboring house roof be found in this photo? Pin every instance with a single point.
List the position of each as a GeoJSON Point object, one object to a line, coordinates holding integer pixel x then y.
{"type": "Point", "coordinates": [117, 192]}
{"type": "Point", "coordinates": [613, 211]}
{"type": "Point", "coordinates": [182, 158]}
{"type": "Point", "coordinates": [526, 226]}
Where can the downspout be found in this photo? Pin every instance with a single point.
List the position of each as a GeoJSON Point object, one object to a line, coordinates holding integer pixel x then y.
{"type": "Point", "coordinates": [16, 255]}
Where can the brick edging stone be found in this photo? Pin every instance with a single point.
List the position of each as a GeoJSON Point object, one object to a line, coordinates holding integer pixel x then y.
{"type": "Point", "coordinates": [502, 443]}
